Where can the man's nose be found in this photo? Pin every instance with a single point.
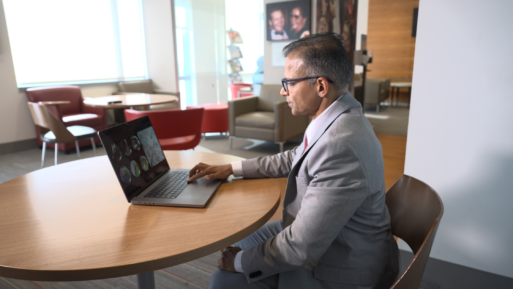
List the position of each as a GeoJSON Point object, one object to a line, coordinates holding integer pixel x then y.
{"type": "Point", "coordinates": [283, 92]}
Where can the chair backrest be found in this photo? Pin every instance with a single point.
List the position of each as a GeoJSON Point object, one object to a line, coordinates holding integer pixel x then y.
{"type": "Point", "coordinates": [269, 94]}
{"type": "Point", "coordinates": [46, 122]}
{"type": "Point", "coordinates": [415, 212]}
{"type": "Point", "coordinates": [140, 86]}
{"type": "Point", "coordinates": [172, 123]}
{"type": "Point", "coordinates": [57, 93]}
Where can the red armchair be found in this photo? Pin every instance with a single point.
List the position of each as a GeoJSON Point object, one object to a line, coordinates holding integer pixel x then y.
{"type": "Point", "coordinates": [74, 113]}
{"type": "Point", "coordinates": [176, 129]}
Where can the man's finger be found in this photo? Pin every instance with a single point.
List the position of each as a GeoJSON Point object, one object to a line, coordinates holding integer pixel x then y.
{"type": "Point", "coordinates": [197, 168]}
{"type": "Point", "coordinates": [194, 170]}
{"type": "Point", "coordinates": [200, 174]}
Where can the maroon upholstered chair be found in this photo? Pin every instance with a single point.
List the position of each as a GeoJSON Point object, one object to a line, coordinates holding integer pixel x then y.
{"type": "Point", "coordinates": [176, 129]}
{"type": "Point", "coordinates": [74, 113]}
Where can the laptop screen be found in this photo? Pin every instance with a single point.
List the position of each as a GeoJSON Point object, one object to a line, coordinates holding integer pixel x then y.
{"type": "Point", "coordinates": [135, 154]}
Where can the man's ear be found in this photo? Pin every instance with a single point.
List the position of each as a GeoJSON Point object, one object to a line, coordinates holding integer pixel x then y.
{"type": "Point", "coordinates": [322, 87]}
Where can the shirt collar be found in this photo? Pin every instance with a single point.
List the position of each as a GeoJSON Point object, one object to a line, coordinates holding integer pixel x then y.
{"type": "Point", "coordinates": [314, 125]}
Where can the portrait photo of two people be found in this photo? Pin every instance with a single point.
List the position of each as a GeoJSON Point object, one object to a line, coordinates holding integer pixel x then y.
{"type": "Point", "coordinates": [288, 20]}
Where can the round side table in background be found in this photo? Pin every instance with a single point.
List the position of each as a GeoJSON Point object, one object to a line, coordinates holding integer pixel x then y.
{"type": "Point", "coordinates": [396, 86]}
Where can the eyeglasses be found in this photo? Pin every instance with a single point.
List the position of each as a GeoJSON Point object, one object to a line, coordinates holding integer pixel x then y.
{"type": "Point", "coordinates": [284, 81]}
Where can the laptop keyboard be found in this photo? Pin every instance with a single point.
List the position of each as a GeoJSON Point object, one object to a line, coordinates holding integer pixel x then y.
{"type": "Point", "coordinates": [171, 186]}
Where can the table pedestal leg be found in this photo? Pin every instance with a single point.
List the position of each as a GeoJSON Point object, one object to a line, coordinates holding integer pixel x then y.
{"type": "Point", "coordinates": [119, 116]}
{"type": "Point", "coordinates": [146, 280]}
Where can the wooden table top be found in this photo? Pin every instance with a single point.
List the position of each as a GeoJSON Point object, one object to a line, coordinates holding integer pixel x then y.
{"type": "Point", "coordinates": [72, 222]}
{"type": "Point", "coordinates": [130, 100]}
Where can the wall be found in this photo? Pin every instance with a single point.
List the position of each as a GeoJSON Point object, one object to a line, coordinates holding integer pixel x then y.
{"type": "Point", "coordinates": [160, 43]}
{"type": "Point", "coordinates": [273, 74]}
{"type": "Point", "coordinates": [361, 27]}
{"type": "Point", "coordinates": [389, 35]}
{"type": "Point", "coordinates": [460, 138]}
{"type": "Point", "coordinates": [15, 120]}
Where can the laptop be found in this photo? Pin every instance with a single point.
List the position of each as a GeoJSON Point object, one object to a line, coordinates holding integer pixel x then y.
{"type": "Point", "coordinates": [142, 170]}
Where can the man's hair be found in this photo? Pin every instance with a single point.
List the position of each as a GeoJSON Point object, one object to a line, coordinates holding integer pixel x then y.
{"type": "Point", "coordinates": [301, 9]}
{"type": "Point", "coordinates": [323, 55]}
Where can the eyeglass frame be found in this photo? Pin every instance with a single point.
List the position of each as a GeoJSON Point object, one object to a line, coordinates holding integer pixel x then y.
{"type": "Point", "coordinates": [285, 85]}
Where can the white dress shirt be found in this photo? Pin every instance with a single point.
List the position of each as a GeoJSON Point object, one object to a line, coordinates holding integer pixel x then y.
{"type": "Point", "coordinates": [237, 169]}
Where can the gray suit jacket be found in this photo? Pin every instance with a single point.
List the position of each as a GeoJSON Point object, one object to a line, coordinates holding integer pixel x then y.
{"type": "Point", "coordinates": [336, 225]}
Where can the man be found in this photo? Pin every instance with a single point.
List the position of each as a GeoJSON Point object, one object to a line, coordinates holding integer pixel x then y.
{"type": "Point", "coordinates": [276, 24]}
{"type": "Point", "coordinates": [300, 26]}
{"type": "Point", "coordinates": [335, 231]}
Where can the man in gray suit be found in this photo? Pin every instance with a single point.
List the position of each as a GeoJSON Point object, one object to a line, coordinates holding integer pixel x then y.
{"type": "Point", "coordinates": [335, 231]}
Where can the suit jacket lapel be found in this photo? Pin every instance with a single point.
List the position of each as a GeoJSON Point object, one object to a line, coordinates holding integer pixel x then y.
{"type": "Point", "coordinates": [342, 104]}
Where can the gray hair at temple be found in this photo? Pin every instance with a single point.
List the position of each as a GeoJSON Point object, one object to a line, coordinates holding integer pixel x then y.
{"type": "Point", "coordinates": [323, 55]}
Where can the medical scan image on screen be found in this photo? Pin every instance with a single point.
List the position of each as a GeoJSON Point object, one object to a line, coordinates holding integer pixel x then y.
{"type": "Point", "coordinates": [125, 148]}
{"type": "Point", "coordinates": [135, 143]}
{"type": "Point", "coordinates": [125, 174]}
{"type": "Point", "coordinates": [144, 163]}
{"type": "Point", "coordinates": [116, 152]}
{"type": "Point", "coordinates": [134, 167]}
{"type": "Point", "coordinates": [151, 146]}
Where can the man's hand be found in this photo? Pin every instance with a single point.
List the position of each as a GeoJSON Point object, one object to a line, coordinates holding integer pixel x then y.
{"type": "Point", "coordinates": [226, 262]}
{"type": "Point", "coordinates": [211, 172]}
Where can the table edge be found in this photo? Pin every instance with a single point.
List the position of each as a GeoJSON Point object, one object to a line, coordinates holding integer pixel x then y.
{"type": "Point", "coordinates": [137, 268]}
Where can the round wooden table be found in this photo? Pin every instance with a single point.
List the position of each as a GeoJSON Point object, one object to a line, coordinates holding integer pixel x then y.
{"type": "Point", "coordinates": [129, 100]}
{"type": "Point", "coordinates": [72, 222]}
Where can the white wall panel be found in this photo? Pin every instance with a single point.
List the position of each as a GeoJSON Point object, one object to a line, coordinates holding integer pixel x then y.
{"type": "Point", "coordinates": [460, 134]}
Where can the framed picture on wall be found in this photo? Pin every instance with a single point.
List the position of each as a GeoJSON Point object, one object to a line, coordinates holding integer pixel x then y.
{"type": "Point", "coordinates": [288, 20]}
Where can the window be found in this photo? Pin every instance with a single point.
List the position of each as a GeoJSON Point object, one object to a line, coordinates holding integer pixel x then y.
{"type": "Point", "coordinates": [72, 42]}
{"type": "Point", "coordinates": [185, 52]}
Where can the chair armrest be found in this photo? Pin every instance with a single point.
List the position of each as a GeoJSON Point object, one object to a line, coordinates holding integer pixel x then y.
{"type": "Point", "coordinates": [288, 125]}
{"type": "Point", "coordinates": [238, 107]}
{"type": "Point", "coordinates": [55, 109]}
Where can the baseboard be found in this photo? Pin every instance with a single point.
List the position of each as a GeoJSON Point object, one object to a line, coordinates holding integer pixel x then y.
{"type": "Point", "coordinates": [17, 146]}
{"type": "Point", "coordinates": [445, 275]}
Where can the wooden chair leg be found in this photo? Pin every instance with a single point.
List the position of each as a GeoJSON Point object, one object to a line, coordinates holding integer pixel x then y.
{"type": "Point", "coordinates": [94, 145]}
{"type": "Point", "coordinates": [78, 149]}
{"type": "Point", "coordinates": [43, 155]}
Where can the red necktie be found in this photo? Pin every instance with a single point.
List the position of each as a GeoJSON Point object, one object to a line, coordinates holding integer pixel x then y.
{"type": "Point", "coordinates": [306, 142]}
